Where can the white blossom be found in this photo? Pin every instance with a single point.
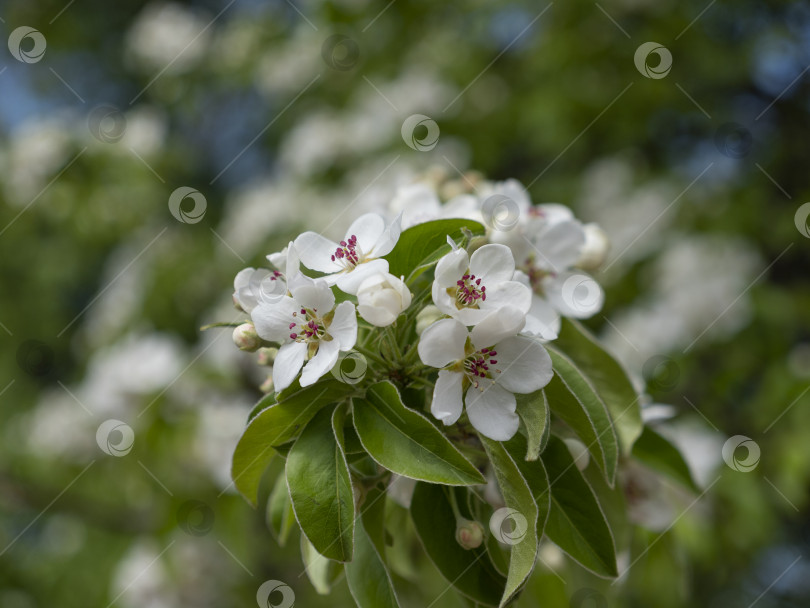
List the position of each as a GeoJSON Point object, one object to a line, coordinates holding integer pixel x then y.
{"type": "Point", "coordinates": [492, 362]}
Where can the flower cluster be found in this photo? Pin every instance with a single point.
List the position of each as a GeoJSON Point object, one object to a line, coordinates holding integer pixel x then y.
{"type": "Point", "coordinates": [466, 323]}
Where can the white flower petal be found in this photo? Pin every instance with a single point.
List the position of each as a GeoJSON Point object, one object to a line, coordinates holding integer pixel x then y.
{"type": "Point", "coordinates": [443, 301]}
{"type": "Point", "coordinates": [316, 251]}
{"type": "Point", "coordinates": [542, 321]}
{"type": "Point", "coordinates": [288, 362]}
{"type": "Point", "coordinates": [367, 228]}
{"type": "Point", "coordinates": [242, 278]}
{"type": "Point", "coordinates": [492, 411]}
{"type": "Point", "coordinates": [575, 294]}
{"type": "Point", "coordinates": [509, 293]}
{"type": "Point", "coordinates": [272, 320]}
{"type": "Point", "coordinates": [388, 240]}
{"type": "Point", "coordinates": [343, 327]}
{"type": "Point", "coordinates": [525, 365]}
{"type": "Point", "coordinates": [442, 343]}
{"type": "Point", "coordinates": [314, 295]}
{"type": "Point", "coordinates": [379, 317]}
{"type": "Point", "coordinates": [350, 282]}
{"type": "Point", "coordinates": [451, 267]}
{"type": "Point", "coordinates": [493, 264]}
{"type": "Point", "coordinates": [447, 404]}
{"type": "Point", "coordinates": [498, 325]}
{"type": "Point", "coordinates": [322, 362]}
{"type": "Point", "coordinates": [557, 246]}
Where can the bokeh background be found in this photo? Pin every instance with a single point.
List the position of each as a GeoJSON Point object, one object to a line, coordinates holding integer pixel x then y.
{"type": "Point", "coordinates": [288, 114]}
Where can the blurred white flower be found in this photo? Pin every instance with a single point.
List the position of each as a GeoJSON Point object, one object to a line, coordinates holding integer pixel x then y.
{"type": "Point", "coordinates": [168, 36]}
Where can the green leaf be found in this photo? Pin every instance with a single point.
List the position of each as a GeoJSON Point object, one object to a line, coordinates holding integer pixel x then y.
{"type": "Point", "coordinates": [319, 569]}
{"type": "Point", "coordinates": [405, 442]}
{"type": "Point", "coordinates": [367, 575]}
{"type": "Point", "coordinates": [419, 244]}
{"type": "Point", "coordinates": [536, 477]}
{"type": "Point", "coordinates": [576, 522]}
{"type": "Point", "coordinates": [608, 377]}
{"type": "Point", "coordinates": [280, 516]}
{"type": "Point", "coordinates": [470, 571]}
{"type": "Point", "coordinates": [518, 497]}
{"type": "Point", "coordinates": [659, 454]}
{"type": "Point", "coordinates": [274, 425]}
{"type": "Point", "coordinates": [533, 411]}
{"type": "Point", "coordinates": [321, 488]}
{"type": "Point", "coordinates": [573, 398]}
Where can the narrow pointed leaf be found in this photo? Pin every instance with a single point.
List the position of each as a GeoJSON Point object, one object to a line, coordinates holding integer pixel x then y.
{"type": "Point", "coordinates": [319, 569]}
{"type": "Point", "coordinates": [573, 398]}
{"type": "Point", "coordinates": [280, 516]}
{"type": "Point", "coordinates": [576, 522]}
{"type": "Point", "coordinates": [518, 497]}
{"type": "Point", "coordinates": [536, 477]}
{"type": "Point", "coordinates": [659, 454]}
{"type": "Point", "coordinates": [405, 442]}
{"type": "Point", "coordinates": [274, 425]}
{"type": "Point", "coordinates": [533, 411]}
{"type": "Point", "coordinates": [367, 575]}
{"type": "Point", "coordinates": [608, 376]}
{"type": "Point", "coordinates": [469, 571]}
{"type": "Point", "coordinates": [321, 488]}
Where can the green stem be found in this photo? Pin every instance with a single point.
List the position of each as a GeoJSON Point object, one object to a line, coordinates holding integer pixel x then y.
{"type": "Point", "coordinates": [369, 355]}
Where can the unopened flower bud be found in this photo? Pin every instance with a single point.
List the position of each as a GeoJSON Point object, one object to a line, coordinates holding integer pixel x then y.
{"type": "Point", "coordinates": [596, 247]}
{"type": "Point", "coordinates": [469, 534]}
{"type": "Point", "coordinates": [381, 298]}
{"type": "Point", "coordinates": [246, 338]}
{"type": "Point", "coordinates": [267, 355]}
{"type": "Point", "coordinates": [267, 386]}
{"type": "Point", "coordinates": [427, 317]}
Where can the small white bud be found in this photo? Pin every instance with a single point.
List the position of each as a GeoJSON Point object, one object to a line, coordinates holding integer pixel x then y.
{"type": "Point", "coordinates": [596, 247]}
{"type": "Point", "coordinates": [381, 298]}
{"type": "Point", "coordinates": [246, 338]}
{"type": "Point", "coordinates": [469, 534]}
{"type": "Point", "coordinates": [427, 317]}
{"type": "Point", "coordinates": [267, 355]}
{"type": "Point", "coordinates": [267, 386]}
